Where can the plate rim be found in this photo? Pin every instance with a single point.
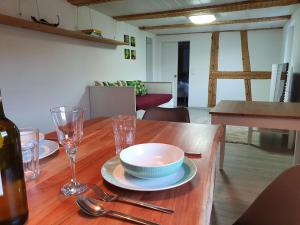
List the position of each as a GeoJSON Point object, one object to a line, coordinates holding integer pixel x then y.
{"type": "Point", "coordinates": [187, 161]}
{"type": "Point", "coordinates": [51, 152]}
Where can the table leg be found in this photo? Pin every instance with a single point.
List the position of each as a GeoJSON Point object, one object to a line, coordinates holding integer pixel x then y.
{"type": "Point", "coordinates": [250, 131]}
{"type": "Point", "coordinates": [291, 139]}
{"type": "Point", "coordinates": [297, 149]}
{"type": "Point", "coordinates": [222, 148]}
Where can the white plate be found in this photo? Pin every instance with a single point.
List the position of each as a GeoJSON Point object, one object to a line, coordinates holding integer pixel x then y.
{"type": "Point", "coordinates": [47, 148]}
{"type": "Point", "coordinates": [113, 172]}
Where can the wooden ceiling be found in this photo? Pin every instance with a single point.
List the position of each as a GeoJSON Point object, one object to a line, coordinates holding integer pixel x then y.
{"type": "Point", "coordinates": [228, 12]}
{"type": "Point", "coordinates": [237, 6]}
{"type": "Point", "coordinates": [223, 22]}
{"type": "Point", "coordinates": [88, 2]}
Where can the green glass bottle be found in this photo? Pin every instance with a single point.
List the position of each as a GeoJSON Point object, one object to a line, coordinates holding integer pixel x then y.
{"type": "Point", "coordinates": [13, 201]}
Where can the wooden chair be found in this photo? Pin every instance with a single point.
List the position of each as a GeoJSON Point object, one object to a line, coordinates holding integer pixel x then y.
{"type": "Point", "coordinates": [278, 204]}
{"type": "Point", "coordinates": [179, 114]}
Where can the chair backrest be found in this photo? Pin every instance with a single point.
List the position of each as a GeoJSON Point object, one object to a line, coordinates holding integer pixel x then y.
{"type": "Point", "coordinates": [179, 114]}
{"type": "Point", "coordinates": [278, 204]}
{"type": "Point", "coordinates": [277, 86]}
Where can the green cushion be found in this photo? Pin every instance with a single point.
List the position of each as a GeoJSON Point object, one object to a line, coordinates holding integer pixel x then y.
{"type": "Point", "coordinates": [106, 84]}
{"type": "Point", "coordinates": [139, 87]}
{"type": "Point", "coordinates": [115, 84]}
{"type": "Point", "coordinates": [98, 83]}
{"type": "Point", "coordinates": [101, 83]}
{"type": "Point", "coordinates": [122, 83]}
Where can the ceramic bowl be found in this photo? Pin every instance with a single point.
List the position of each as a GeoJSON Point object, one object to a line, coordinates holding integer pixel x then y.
{"type": "Point", "coordinates": [151, 160]}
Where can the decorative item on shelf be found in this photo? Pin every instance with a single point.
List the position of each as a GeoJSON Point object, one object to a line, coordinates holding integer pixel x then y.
{"type": "Point", "coordinates": [126, 38]}
{"type": "Point", "coordinates": [42, 21]}
{"type": "Point", "coordinates": [93, 32]}
{"type": "Point", "coordinates": [132, 41]}
{"type": "Point", "coordinates": [127, 53]}
{"type": "Point", "coordinates": [45, 22]}
{"type": "Point", "coordinates": [133, 54]}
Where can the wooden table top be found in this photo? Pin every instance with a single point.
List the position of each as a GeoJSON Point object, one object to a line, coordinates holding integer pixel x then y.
{"type": "Point", "coordinates": [259, 109]}
{"type": "Point", "coordinates": [190, 201]}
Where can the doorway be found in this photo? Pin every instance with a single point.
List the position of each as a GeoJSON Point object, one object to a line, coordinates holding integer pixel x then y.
{"type": "Point", "coordinates": [183, 73]}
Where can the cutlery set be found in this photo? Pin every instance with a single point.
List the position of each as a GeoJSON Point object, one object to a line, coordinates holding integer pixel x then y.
{"type": "Point", "coordinates": [92, 207]}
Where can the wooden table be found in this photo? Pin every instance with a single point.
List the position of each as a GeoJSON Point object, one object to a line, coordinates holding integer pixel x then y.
{"type": "Point", "coordinates": [275, 115]}
{"type": "Point", "coordinates": [192, 201]}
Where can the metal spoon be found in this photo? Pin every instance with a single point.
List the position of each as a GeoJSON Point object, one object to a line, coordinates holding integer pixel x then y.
{"type": "Point", "coordinates": [91, 207]}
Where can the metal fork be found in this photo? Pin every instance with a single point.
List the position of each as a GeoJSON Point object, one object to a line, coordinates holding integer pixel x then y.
{"type": "Point", "coordinates": [110, 198]}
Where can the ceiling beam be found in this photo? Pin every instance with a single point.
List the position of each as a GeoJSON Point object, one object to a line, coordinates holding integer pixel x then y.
{"type": "Point", "coordinates": [88, 2]}
{"type": "Point", "coordinates": [238, 6]}
{"type": "Point", "coordinates": [223, 22]}
{"type": "Point", "coordinates": [221, 31]}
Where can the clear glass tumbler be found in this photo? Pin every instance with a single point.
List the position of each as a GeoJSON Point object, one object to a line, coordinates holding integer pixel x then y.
{"type": "Point", "coordinates": [124, 128]}
{"type": "Point", "coordinates": [69, 128]}
{"type": "Point", "coordinates": [30, 152]}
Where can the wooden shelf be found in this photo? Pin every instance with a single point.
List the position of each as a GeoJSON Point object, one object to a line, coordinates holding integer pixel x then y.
{"type": "Point", "coordinates": [16, 22]}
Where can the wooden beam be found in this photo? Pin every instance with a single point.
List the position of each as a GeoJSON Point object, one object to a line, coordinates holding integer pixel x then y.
{"type": "Point", "coordinates": [223, 22]}
{"type": "Point", "coordinates": [246, 64]}
{"type": "Point", "coordinates": [244, 75]}
{"type": "Point", "coordinates": [238, 6]}
{"type": "Point", "coordinates": [221, 31]}
{"type": "Point", "coordinates": [214, 55]}
{"type": "Point", "coordinates": [88, 2]}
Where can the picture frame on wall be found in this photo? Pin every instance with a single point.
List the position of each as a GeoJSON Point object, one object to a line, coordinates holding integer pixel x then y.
{"type": "Point", "coordinates": [132, 41]}
{"type": "Point", "coordinates": [133, 54]}
{"type": "Point", "coordinates": [126, 38]}
{"type": "Point", "coordinates": [127, 53]}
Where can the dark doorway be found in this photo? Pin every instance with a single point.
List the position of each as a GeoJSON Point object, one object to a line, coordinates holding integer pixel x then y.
{"type": "Point", "coordinates": [183, 73]}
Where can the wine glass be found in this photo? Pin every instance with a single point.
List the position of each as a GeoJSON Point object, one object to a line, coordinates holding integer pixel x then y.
{"type": "Point", "coordinates": [69, 128]}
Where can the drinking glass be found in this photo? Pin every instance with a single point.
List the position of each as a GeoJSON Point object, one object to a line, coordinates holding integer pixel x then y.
{"type": "Point", "coordinates": [69, 128]}
{"type": "Point", "coordinates": [124, 127]}
{"type": "Point", "coordinates": [30, 152]}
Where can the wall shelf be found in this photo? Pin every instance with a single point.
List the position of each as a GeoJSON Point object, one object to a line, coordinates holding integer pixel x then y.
{"type": "Point", "coordinates": [21, 23]}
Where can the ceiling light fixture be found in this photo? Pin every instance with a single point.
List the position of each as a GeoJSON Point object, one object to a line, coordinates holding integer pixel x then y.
{"type": "Point", "coordinates": [202, 19]}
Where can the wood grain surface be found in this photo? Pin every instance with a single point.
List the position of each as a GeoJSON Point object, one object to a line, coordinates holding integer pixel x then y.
{"type": "Point", "coordinates": [260, 109]}
{"type": "Point", "coordinates": [26, 24]}
{"type": "Point", "coordinates": [246, 63]}
{"type": "Point", "coordinates": [214, 59]}
{"type": "Point", "coordinates": [216, 23]}
{"type": "Point", "coordinates": [192, 201]}
{"type": "Point", "coordinates": [208, 9]}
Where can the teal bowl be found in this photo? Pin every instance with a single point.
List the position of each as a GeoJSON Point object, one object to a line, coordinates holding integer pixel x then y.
{"type": "Point", "coordinates": [151, 160]}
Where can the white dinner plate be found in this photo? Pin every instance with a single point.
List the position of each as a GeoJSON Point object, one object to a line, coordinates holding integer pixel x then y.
{"type": "Point", "coordinates": [113, 172]}
{"type": "Point", "coordinates": [47, 148]}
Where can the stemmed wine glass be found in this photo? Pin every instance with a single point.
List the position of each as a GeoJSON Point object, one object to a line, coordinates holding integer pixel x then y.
{"type": "Point", "coordinates": [69, 128]}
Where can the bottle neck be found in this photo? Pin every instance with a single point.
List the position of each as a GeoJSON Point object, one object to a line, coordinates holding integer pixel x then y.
{"type": "Point", "coordinates": [2, 115]}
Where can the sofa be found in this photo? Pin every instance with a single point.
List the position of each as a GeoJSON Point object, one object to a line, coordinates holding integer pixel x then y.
{"type": "Point", "coordinates": [112, 100]}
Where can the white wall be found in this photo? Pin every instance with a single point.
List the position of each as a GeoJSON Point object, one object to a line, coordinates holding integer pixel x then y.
{"type": "Point", "coordinates": [287, 42]}
{"type": "Point", "coordinates": [265, 48]}
{"type": "Point", "coordinates": [230, 59]}
{"type": "Point", "coordinates": [40, 71]}
{"type": "Point", "coordinates": [295, 56]}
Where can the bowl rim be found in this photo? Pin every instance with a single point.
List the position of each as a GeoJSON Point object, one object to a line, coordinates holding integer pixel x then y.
{"type": "Point", "coordinates": [158, 166]}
